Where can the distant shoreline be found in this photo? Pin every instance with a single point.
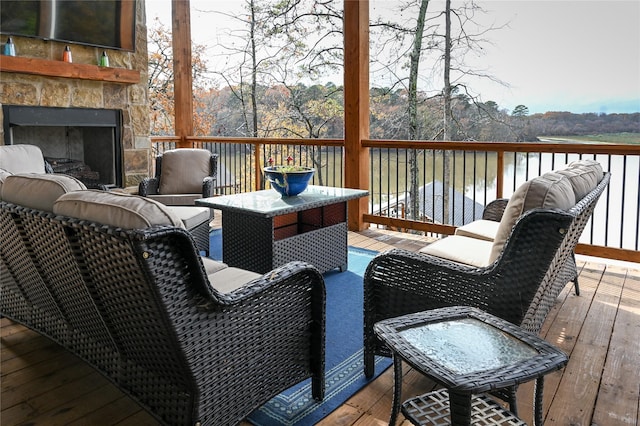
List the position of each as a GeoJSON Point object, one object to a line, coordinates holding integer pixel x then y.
{"type": "Point", "coordinates": [624, 138]}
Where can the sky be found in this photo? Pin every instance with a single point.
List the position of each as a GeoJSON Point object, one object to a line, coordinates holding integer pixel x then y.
{"type": "Point", "coordinates": [578, 56]}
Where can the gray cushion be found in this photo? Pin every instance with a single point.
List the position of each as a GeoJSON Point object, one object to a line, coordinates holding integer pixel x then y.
{"type": "Point", "coordinates": [183, 170]}
{"type": "Point", "coordinates": [191, 216]}
{"type": "Point", "coordinates": [551, 190]}
{"type": "Point", "coordinates": [589, 164]}
{"type": "Point", "coordinates": [229, 279]}
{"type": "Point", "coordinates": [176, 199]}
{"type": "Point", "coordinates": [584, 177]}
{"type": "Point", "coordinates": [38, 190]}
{"type": "Point", "coordinates": [212, 266]}
{"type": "Point", "coordinates": [21, 158]}
{"type": "Point", "coordinates": [115, 209]}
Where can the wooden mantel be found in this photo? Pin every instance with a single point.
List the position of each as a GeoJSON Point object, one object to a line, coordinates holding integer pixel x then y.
{"type": "Point", "coordinates": [36, 66]}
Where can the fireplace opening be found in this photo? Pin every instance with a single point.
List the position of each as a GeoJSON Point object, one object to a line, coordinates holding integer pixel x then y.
{"type": "Point", "coordinates": [81, 142]}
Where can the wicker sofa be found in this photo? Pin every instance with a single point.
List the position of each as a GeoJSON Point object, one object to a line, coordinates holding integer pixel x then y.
{"type": "Point", "coordinates": [516, 274]}
{"type": "Point", "coordinates": [191, 340]}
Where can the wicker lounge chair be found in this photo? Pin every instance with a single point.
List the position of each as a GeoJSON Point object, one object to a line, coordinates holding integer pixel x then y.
{"type": "Point", "coordinates": [521, 285]}
{"type": "Point", "coordinates": [191, 340]}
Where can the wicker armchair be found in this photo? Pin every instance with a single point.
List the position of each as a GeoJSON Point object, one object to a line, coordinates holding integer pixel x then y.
{"type": "Point", "coordinates": [142, 308]}
{"type": "Point", "coordinates": [521, 286]}
{"type": "Point", "coordinates": [182, 176]}
{"type": "Point", "coordinates": [491, 216]}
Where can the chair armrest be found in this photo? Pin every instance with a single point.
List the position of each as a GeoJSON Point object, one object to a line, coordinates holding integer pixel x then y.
{"type": "Point", "coordinates": [213, 165]}
{"type": "Point", "coordinates": [291, 272]}
{"type": "Point", "coordinates": [495, 209]}
{"type": "Point", "coordinates": [422, 281]}
{"type": "Point", "coordinates": [283, 310]}
{"type": "Point", "coordinates": [148, 186]}
{"type": "Point", "coordinates": [208, 187]}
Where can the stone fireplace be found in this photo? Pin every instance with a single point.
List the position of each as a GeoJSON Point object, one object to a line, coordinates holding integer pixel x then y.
{"type": "Point", "coordinates": [81, 142]}
{"type": "Point", "coordinates": [88, 119]}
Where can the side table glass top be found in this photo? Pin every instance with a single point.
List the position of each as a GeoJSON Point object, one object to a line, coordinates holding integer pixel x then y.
{"type": "Point", "coordinates": [467, 345]}
{"type": "Point", "coordinates": [270, 203]}
{"type": "Point", "coordinates": [469, 350]}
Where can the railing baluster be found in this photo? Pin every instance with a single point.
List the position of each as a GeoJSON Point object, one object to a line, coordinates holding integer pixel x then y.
{"type": "Point", "coordinates": [241, 161]}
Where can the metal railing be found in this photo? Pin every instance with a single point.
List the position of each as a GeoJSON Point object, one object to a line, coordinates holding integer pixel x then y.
{"type": "Point", "coordinates": [475, 173]}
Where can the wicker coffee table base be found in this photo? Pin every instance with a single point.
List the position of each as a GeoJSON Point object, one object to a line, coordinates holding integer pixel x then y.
{"type": "Point", "coordinates": [433, 409]}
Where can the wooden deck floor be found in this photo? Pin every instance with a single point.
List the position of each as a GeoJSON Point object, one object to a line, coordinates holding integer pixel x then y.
{"type": "Point", "coordinates": [42, 384]}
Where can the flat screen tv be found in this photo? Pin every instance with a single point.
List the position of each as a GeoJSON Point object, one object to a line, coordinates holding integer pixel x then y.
{"type": "Point", "coordinates": [102, 23]}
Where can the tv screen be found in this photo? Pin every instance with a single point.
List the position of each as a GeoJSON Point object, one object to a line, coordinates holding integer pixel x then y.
{"type": "Point", "coordinates": [101, 23]}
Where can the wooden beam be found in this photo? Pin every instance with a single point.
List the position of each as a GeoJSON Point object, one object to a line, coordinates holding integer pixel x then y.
{"type": "Point", "coordinates": [37, 66]}
{"type": "Point", "coordinates": [356, 105]}
{"type": "Point", "coordinates": [182, 78]}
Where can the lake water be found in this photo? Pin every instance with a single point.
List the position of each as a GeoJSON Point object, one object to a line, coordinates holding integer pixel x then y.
{"type": "Point", "coordinates": [616, 219]}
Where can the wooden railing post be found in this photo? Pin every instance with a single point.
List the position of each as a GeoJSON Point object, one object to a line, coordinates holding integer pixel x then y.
{"type": "Point", "coordinates": [258, 166]}
{"type": "Point", "coordinates": [183, 96]}
{"type": "Point", "coordinates": [356, 106]}
{"type": "Point", "coordinates": [500, 175]}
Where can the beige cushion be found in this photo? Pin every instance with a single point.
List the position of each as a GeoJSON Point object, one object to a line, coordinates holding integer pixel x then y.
{"type": "Point", "coordinates": [228, 279]}
{"type": "Point", "coordinates": [212, 266]}
{"type": "Point", "coordinates": [115, 209]}
{"type": "Point", "coordinates": [482, 229]}
{"type": "Point", "coordinates": [183, 170]}
{"type": "Point", "coordinates": [21, 158]}
{"type": "Point", "coordinates": [191, 216]}
{"type": "Point", "coordinates": [470, 251]}
{"type": "Point", "coordinates": [38, 190]}
{"type": "Point", "coordinates": [551, 191]}
{"type": "Point", "coordinates": [583, 178]}
{"type": "Point", "coordinates": [3, 176]}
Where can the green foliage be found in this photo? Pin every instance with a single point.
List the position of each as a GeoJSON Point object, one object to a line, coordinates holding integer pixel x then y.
{"type": "Point", "coordinates": [289, 169]}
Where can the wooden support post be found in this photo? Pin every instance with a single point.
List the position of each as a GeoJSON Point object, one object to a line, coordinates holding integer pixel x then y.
{"type": "Point", "coordinates": [356, 105]}
{"type": "Point", "coordinates": [500, 176]}
{"type": "Point", "coordinates": [182, 79]}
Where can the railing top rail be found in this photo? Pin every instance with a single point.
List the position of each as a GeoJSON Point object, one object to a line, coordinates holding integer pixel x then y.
{"type": "Point", "coordinates": [267, 141]}
{"type": "Point", "coordinates": [553, 147]}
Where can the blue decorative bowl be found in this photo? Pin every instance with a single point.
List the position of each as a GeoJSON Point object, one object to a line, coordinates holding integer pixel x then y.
{"type": "Point", "coordinates": [289, 180]}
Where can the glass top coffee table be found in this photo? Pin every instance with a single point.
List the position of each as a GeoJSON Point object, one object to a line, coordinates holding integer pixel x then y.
{"type": "Point", "coordinates": [262, 230]}
{"type": "Point", "coordinates": [468, 352]}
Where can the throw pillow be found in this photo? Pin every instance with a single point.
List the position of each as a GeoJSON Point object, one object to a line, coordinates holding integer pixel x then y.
{"type": "Point", "coordinates": [183, 171]}
{"type": "Point", "coordinates": [115, 209]}
{"type": "Point", "coordinates": [38, 190]}
{"type": "Point", "coordinates": [550, 191]}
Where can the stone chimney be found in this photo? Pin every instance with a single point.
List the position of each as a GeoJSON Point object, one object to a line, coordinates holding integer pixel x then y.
{"type": "Point", "coordinates": [84, 85]}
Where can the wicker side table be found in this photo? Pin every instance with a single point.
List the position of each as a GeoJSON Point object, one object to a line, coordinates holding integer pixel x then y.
{"type": "Point", "coordinates": [468, 352]}
{"type": "Point", "coordinates": [433, 409]}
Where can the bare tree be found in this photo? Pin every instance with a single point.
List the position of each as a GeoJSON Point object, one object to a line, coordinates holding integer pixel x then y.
{"type": "Point", "coordinates": [161, 88]}
{"type": "Point", "coordinates": [414, 190]}
{"type": "Point", "coordinates": [443, 54]}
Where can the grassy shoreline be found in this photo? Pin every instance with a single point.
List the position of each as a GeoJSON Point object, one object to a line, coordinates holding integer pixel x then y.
{"type": "Point", "coordinates": [623, 137]}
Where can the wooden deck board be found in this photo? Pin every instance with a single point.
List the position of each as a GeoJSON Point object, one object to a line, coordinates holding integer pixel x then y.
{"type": "Point", "coordinates": [617, 401]}
{"type": "Point", "coordinates": [578, 388]}
{"type": "Point", "coordinates": [42, 384]}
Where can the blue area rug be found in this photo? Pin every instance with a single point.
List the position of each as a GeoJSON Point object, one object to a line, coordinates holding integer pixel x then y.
{"type": "Point", "coordinates": [344, 359]}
